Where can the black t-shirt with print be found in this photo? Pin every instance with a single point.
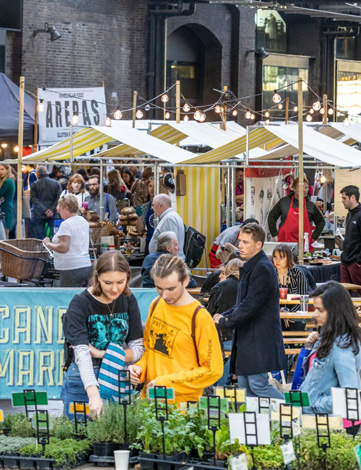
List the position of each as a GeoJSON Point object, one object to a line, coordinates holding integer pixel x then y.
{"type": "Point", "coordinates": [89, 321]}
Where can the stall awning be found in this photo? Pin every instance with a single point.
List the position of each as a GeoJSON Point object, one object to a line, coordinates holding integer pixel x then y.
{"type": "Point", "coordinates": [353, 130]}
{"type": "Point", "coordinates": [90, 138]}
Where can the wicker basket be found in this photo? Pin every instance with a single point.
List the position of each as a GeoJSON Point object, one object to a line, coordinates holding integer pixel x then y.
{"type": "Point", "coordinates": [23, 258]}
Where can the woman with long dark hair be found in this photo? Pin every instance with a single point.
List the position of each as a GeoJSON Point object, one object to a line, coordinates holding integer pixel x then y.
{"type": "Point", "coordinates": [127, 177]}
{"type": "Point", "coordinates": [335, 358]}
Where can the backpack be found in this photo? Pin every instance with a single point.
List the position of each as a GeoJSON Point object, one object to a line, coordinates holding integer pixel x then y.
{"type": "Point", "coordinates": [194, 245]}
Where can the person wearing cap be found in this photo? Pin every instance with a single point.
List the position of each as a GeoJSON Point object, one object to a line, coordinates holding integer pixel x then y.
{"type": "Point", "coordinates": [230, 235]}
{"type": "Point", "coordinates": [168, 221]}
{"type": "Point", "coordinates": [44, 195]}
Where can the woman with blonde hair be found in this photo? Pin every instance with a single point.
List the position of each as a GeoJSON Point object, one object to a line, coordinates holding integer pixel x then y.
{"type": "Point", "coordinates": [225, 251]}
{"type": "Point", "coordinates": [77, 187]}
{"type": "Point", "coordinates": [7, 193]}
{"type": "Point", "coordinates": [99, 320]}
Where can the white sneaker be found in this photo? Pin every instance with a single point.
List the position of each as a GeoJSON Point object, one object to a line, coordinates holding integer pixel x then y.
{"type": "Point", "coordinates": [316, 244]}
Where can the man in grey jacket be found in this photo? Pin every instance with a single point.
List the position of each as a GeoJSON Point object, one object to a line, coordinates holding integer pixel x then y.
{"type": "Point", "coordinates": [169, 221]}
{"type": "Point", "coordinates": [110, 208]}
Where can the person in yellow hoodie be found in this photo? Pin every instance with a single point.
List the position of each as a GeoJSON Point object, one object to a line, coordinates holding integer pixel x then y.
{"type": "Point", "coordinates": [173, 356]}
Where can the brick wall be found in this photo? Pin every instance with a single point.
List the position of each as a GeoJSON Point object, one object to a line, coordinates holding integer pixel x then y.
{"type": "Point", "coordinates": [102, 41]}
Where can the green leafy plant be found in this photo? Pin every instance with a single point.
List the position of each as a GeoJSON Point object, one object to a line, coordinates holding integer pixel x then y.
{"type": "Point", "coordinates": [18, 425]}
{"type": "Point", "coordinates": [11, 445]}
{"type": "Point", "coordinates": [62, 428]}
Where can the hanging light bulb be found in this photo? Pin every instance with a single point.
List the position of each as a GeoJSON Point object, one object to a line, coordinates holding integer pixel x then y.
{"type": "Point", "coordinates": [197, 115]}
{"type": "Point", "coordinates": [323, 179]}
{"type": "Point", "coordinates": [338, 114]}
{"type": "Point", "coordinates": [267, 121]}
{"type": "Point", "coordinates": [276, 98]}
{"type": "Point", "coordinates": [217, 109]}
{"type": "Point", "coordinates": [4, 145]}
{"type": "Point", "coordinates": [41, 106]}
{"type": "Point", "coordinates": [311, 111]}
{"type": "Point", "coordinates": [118, 114]}
{"type": "Point", "coordinates": [167, 115]}
{"type": "Point", "coordinates": [16, 148]}
{"type": "Point", "coordinates": [346, 122]}
{"type": "Point", "coordinates": [186, 107]}
{"type": "Point", "coordinates": [75, 119]}
{"type": "Point", "coordinates": [248, 114]}
{"type": "Point", "coordinates": [280, 106]}
{"type": "Point", "coordinates": [234, 112]}
{"type": "Point", "coordinates": [308, 118]}
{"type": "Point", "coordinates": [267, 114]}
{"type": "Point", "coordinates": [186, 118]}
{"type": "Point", "coordinates": [108, 121]}
{"type": "Point", "coordinates": [165, 98]}
{"type": "Point", "coordinates": [139, 114]}
{"type": "Point", "coordinates": [322, 111]}
{"type": "Point", "coordinates": [295, 109]}
{"type": "Point", "coordinates": [330, 111]}
{"type": "Point", "coordinates": [147, 107]}
{"type": "Point", "coordinates": [316, 105]}
{"type": "Point", "coordinates": [202, 117]}
{"type": "Point", "coordinates": [253, 117]}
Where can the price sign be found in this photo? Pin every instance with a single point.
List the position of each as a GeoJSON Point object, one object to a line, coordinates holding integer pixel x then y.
{"type": "Point", "coordinates": [288, 452]}
{"type": "Point", "coordinates": [239, 462]}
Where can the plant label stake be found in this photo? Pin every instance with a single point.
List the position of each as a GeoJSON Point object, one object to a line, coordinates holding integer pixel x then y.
{"type": "Point", "coordinates": [352, 404]}
{"type": "Point", "coordinates": [250, 432]}
{"type": "Point", "coordinates": [297, 398]}
{"type": "Point", "coordinates": [161, 409]}
{"type": "Point", "coordinates": [30, 400]}
{"type": "Point", "coordinates": [323, 434]}
{"type": "Point", "coordinates": [232, 396]}
{"type": "Point", "coordinates": [126, 399]}
{"type": "Point", "coordinates": [214, 418]}
{"type": "Point", "coordinates": [192, 404]}
{"type": "Point", "coordinates": [286, 425]}
{"type": "Point", "coordinates": [42, 427]}
{"type": "Point", "coordinates": [80, 416]}
{"type": "Point", "coordinates": [264, 404]}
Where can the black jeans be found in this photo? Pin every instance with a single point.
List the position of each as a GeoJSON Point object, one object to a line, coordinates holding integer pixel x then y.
{"type": "Point", "coordinates": [40, 227]}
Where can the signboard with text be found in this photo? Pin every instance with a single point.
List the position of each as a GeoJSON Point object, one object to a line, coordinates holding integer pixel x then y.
{"type": "Point", "coordinates": [61, 104]}
{"type": "Point", "coordinates": [31, 337]}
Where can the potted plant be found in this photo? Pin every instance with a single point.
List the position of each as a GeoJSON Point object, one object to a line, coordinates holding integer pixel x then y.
{"type": "Point", "coordinates": [17, 425]}
{"type": "Point", "coordinates": [107, 431]}
{"type": "Point", "coordinates": [9, 447]}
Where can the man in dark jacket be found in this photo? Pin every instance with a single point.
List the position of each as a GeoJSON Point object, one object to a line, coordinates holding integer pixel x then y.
{"type": "Point", "coordinates": [351, 255]}
{"type": "Point", "coordinates": [44, 195]}
{"type": "Point", "coordinates": [257, 344]}
{"type": "Point", "coordinates": [287, 209]}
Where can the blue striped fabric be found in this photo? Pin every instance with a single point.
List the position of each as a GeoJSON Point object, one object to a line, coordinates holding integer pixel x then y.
{"type": "Point", "coordinates": [113, 362]}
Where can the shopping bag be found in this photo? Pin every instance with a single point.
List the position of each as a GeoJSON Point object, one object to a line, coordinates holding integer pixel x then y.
{"type": "Point", "coordinates": [299, 375]}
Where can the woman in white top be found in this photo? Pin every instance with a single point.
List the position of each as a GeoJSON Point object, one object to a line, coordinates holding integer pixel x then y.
{"type": "Point", "coordinates": [76, 186]}
{"type": "Point", "coordinates": [71, 244]}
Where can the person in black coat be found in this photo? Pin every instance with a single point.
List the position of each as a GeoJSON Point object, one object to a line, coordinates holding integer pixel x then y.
{"type": "Point", "coordinates": [257, 344]}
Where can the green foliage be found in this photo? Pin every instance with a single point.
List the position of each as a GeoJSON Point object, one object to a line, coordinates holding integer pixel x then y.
{"type": "Point", "coordinates": [11, 445]}
{"type": "Point", "coordinates": [62, 428]}
{"type": "Point", "coordinates": [17, 425]}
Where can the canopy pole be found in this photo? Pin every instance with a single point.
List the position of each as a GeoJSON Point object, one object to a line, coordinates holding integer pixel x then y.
{"type": "Point", "coordinates": [224, 111]}
{"type": "Point", "coordinates": [177, 101]}
{"type": "Point", "coordinates": [300, 172]}
{"type": "Point", "coordinates": [325, 111]}
{"type": "Point", "coordinates": [35, 146]}
{"type": "Point", "coordinates": [71, 143]}
{"type": "Point", "coordinates": [101, 208]}
{"type": "Point", "coordinates": [228, 197]}
{"type": "Point", "coordinates": [19, 205]}
{"type": "Point", "coordinates": [287, 105]}
{"type": "Point", "coordinates": [233, 194]}
{"type": "Point", "coordinates": [134, 108]}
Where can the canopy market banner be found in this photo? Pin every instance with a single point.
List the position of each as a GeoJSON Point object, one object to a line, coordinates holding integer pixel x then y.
{"type": "Point", "coordinates": [60, 106]}
{"type": "Point", "coordinates": [31, 337]}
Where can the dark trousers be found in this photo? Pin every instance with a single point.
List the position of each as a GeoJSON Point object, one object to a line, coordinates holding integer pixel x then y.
{"type": "Point", "coordinates": [351, 273]}
{"type": "Point", "coordinates": [40, 227]}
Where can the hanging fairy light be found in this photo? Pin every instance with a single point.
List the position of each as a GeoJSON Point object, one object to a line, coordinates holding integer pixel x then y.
{"type": "Point", "coordinates": [311, 111]}
{"type": "Point", "coordinates": [280, 106]}
{"type": "Point", "coordinates": [267, 114]}
{"type": "Point", "coordinates": [41, 106]}
{"type": "Point", "coordinates": [147, 107]}
{"type": "Point", "coordinates": [330, 111]}
{"type": "Point", "coordinates": [322, 111]}
{"type": "Point", "coordinates": [276, 98]}
{"type": "Point", "coordinates": [4, 145]}
{"type": "Point", "coordinates": [108, 121]}
{"type": "Point", "coordinates": [253, 117]}
{"type": "Point", "coordinates": [308, 118]}
{"type": "Point", "coordinates": [316, 105]}
{"type": "Point", "coordinates": [267, 121]}
{"type": "Point", "coordinates": [234, 112]}
{"type": "Point", "coordinates": [338, 114]}
{"type": "Point", "coordinates": [75, 119]}
{"type": "Point", "coordinates": [167, 115]}
{"type": "Point", "coordinates": [346, 122]}
{"type": "Point", "coordinates": [295, 109]}
{"type": "Point", "coordinates": [118, 114]}
{"type": "Point", "coordinates": [323, 179]}
{"type": "Point", "coordinates": [217, 109]}
{"type": "Point", "coordinates": [16, 149]}
{"type": "Point", "coordinates": [186, 107]}
{"type": "Point", "coordinates": [197, 115]}
{"type": "Point", "coordinates": [186, 118]}
{"type": "Point", "coordinates": [164, 98]}
{"type": "Point", "coordinates": [139, 114]}
{"type": "Point", "coordinates": [248, 114]}
{"type": "Point", "coordinates": [202, 117]}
